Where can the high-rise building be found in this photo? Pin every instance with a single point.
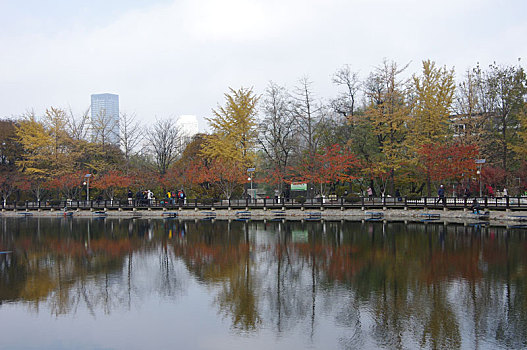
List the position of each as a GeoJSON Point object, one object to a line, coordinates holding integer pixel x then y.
{"type": "Point", "coordinates": [105, 118]}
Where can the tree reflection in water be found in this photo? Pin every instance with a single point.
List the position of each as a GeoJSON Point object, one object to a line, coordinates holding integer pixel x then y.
{"type": "Point", "coordinates": [375, 284]}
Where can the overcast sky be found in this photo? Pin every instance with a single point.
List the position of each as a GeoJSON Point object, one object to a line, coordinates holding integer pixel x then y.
{"type": "Point", "coordinates": [166, 58]}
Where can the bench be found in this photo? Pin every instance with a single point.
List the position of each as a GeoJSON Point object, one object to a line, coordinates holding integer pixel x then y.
{"type": "Point", "coordinates": [314, 216]}
{"type": "Point", "coordinates": [431, 216]}
{"type": "Point", "coordinates": [517, 226]}
{"type": "Point", "coordinates": [375, 215]}
{"type": "Point", "coordinates": [100, 214]}
{"type": "Point", "coordinates": [518, 217]}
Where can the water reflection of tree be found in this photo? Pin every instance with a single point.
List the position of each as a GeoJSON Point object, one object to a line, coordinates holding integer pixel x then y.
{"type": "Point", "coordinates": [222, 253]}
{"type": "Point", "coordinates": [67, 264]}
{"type": "Point", "coordinates": [389, 285]}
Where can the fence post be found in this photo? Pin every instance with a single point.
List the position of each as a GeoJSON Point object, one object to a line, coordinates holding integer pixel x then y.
{"type": "Point", "coordinates": [425, 202]}
{"type": "Point", "coordinates": [486, 202]}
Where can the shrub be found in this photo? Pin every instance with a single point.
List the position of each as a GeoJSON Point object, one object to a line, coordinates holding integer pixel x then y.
{"type": "Point", "coordinates": [300, 199]}
{"type": "Point", "coordinates": [353, 198]}
{"type": "Point", "coordinates": [207, 201]}
{"type": "Point", "coordinates": [413, 197]}
{"type": "Point", "coordinates": [341, 190]}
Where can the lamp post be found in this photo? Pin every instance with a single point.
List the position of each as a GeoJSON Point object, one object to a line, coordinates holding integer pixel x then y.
{"type": "Point", "coordinates": [250, 171]}
{"type": "Point", "coordinates": [87, 183]}
{"type": "Point", "coordinates": [480, 163]}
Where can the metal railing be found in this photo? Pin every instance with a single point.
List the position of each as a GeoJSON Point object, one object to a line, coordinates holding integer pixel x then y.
{"type": "Point", "coordinates": [496, 203]}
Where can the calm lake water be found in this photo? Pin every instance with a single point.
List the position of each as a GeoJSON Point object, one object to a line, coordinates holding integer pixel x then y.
{"type": "Point", "coordinates": [165, 284]}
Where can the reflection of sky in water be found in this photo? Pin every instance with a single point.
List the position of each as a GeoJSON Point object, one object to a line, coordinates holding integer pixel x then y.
{"type": "Point", "coordinates": [199, 285]}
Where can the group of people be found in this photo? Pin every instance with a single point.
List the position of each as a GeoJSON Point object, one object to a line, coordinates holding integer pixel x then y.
{"type": "Point", "coordinates": [146, 197]}
{"type": "Point", "coordinates": [142, 197]}
{"type": "Point", "coordinates": [171, 197]}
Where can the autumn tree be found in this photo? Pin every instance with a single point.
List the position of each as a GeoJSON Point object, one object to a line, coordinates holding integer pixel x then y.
{"type": "Point", "coordinates": [448, 161]}
{"type": "Point", "coordinates": [68, 184]}
{"type": "Point", "coordinates": [55, 121]}
{"type": "Point", "coordinates": [332, 165]}
{"type": "Point", "coordinates": [110, 182]}
{"type": "Point", "coordinates": [218, 174]}
{"type": "Point", "coordinates": [36, 143]}
{"type": "Point", "coordinates": [388, 112]}
{"type": "Point", "coordinates": [233, 126]}
{"type": "Point", "coordinates": [10, 182]}
{"type": "Point", "coordinates": [434, 92]}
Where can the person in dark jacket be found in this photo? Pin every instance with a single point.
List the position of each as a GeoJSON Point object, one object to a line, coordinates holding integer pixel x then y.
{"type": "Point", "coordinates": [441, 194]}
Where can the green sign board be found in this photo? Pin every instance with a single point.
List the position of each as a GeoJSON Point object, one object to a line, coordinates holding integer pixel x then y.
{"type": "Point", "coordinates": [298, 186]}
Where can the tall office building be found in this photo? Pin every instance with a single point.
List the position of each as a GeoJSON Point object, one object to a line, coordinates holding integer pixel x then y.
{"type": "Point", "coordinates": [105, 118]}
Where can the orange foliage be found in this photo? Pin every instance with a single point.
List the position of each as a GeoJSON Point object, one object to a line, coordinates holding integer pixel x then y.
{"type": "Point", "coordinates": [111, 181]}
{"type": "Point", "coordinates": [448, 161]}
{"type": "Point", "coordinates": [332, 165]}
{"type": "Point", "coordinates": [68, 184]}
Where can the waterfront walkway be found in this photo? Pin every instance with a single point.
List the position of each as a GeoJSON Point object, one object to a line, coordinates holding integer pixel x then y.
{"type": "Point", "coordinates": [363, 203]}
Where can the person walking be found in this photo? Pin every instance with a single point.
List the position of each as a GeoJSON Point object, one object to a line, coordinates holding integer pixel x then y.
{"type": "Point", "coordinates": [130, 197]}
{"type": "Point", "coordinates": [370, 193]}
{"type": "Point", "coordinates": [441, 195]}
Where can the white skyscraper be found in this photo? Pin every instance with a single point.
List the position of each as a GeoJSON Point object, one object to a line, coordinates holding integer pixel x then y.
{"type": "Point", "coordinates": [105, 118]}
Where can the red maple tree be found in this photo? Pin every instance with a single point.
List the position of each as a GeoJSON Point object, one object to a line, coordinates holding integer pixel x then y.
{"type": "Point", "coordinates": [448, 162]}
{"type": "Point", "coordinates": [111, 181]}
{"type": "Point", "coordinates": [332, 165]}
{"type": "Point", "coordinates": [68, 185]}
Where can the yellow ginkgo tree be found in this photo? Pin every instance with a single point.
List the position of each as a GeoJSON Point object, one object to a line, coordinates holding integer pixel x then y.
{"type": "Point", "coordinates": [234, 131]}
